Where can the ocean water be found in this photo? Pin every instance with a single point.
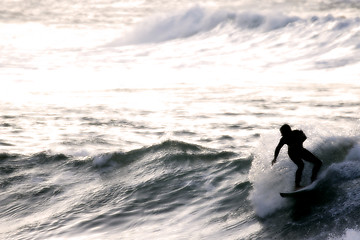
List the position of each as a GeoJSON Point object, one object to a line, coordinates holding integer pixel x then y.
{"type": "Point", "coordinates": [152, 119]}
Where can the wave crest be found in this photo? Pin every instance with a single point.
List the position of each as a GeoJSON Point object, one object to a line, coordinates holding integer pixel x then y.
{"type": "Point", "coordinates": [199, 20]}
{"type": "Point", "coordinates": [167, 151]}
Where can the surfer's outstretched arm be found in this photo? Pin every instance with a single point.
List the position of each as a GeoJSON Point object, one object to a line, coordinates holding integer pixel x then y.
{"type": "Point", "coordinates": [277, 151]}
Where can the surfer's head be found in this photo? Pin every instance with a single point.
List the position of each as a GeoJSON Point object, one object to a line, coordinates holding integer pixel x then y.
{"type": "Point", "coordinates": [285, 129]}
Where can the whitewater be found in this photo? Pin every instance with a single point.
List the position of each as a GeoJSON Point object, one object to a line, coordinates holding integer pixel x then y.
{"type": "Point", "coordinates": [159, 120]}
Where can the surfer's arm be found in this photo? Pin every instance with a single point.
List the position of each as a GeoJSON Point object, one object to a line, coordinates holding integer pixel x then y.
{"type": "Point", "coordinates": [277, 151]}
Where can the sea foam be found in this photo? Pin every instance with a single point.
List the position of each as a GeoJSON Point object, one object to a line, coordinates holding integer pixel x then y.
{"type": "Point", "coordinates": [350, 234]}
{"type": "Point", "coordinates": [341, 158]}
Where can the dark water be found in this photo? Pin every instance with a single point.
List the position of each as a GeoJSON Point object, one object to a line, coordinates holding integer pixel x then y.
{"type": "Point", "coordinates": [172, 189]}
{"type": "Point", "coordinates": [111, 192]}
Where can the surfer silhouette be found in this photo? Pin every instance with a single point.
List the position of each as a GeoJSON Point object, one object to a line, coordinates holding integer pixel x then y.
{"type": "Point", "coordinates": [294, 139]}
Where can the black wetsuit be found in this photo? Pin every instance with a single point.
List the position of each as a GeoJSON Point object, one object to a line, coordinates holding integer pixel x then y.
{"type": "Point", "coordinates": [296, 152]}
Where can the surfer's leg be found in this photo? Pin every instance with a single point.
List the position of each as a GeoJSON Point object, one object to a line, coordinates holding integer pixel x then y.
{"type": "Point", "coordinates": [308, 156]}
{"type": "Point", "coordinates": [299, 163]}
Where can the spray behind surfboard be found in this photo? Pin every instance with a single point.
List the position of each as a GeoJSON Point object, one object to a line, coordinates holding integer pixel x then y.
{"type": "Point", "coordinates": [341, 162]}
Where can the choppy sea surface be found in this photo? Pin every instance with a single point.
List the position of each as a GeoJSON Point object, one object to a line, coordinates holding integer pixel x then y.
{"type": "Point", "coordinates": [159, 120]}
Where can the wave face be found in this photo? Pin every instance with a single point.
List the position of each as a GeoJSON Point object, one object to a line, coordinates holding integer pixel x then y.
{"type": "Point", "coordinates": [152, 186]}
{"type": "Point", "coordinates": [178, 186]}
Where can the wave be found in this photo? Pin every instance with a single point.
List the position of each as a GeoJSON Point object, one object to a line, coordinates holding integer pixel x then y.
{"type": "Point", "coordinates": [171, 174]}
{"type": "Point", "coordinates": [151, 181]}
{"type": "Point", "coordinates": [167, 151]}
{"type": "Point", "coordinates": [198, 20]}
{"type": "Point", "coordinates": [162, 180]}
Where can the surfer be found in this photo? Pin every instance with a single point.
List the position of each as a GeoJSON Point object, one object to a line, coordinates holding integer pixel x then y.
{"type": "Point", "coordinates": [294, 139]}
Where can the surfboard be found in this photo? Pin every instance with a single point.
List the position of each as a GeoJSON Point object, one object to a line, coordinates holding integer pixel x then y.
{"type": "Point", "coordinates": [301, 192]}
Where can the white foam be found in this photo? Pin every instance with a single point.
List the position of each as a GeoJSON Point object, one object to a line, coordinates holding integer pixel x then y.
{"type": "Point", "coordinates": [347, 169]}
{"type": "Point", "coordinates": [349, 234]}
{"type": "Point", "coordinates": [268, 181]}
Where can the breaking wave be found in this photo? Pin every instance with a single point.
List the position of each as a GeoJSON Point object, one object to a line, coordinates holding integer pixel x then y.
{"type": "Point", "coordinates": [198, 20]}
